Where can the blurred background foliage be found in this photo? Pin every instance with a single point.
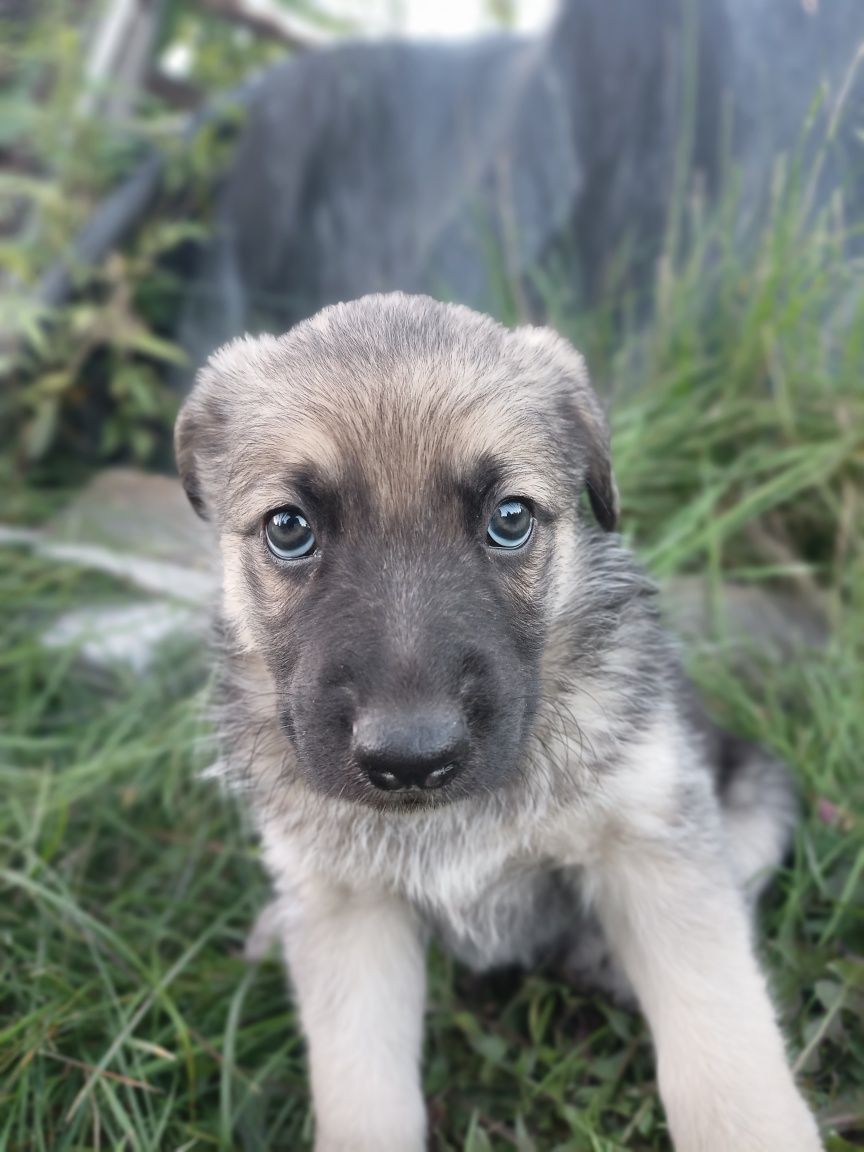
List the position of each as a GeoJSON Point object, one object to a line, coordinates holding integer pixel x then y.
{"type": "Point", "coordinates": [88, 381]}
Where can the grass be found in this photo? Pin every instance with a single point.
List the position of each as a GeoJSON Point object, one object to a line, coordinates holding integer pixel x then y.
{"type": "Point", "coordinates": [128, 1018]}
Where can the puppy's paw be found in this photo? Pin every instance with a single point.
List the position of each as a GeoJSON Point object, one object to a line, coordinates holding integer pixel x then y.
{"type": "Point", "coordinates": [366, 1144]}
{"type": "Point", "coordinates": [790, 1129]}
{"type": "Point", "coordinates": [399, 1126]}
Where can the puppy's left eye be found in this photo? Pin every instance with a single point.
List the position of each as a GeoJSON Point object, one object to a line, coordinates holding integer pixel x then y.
{"type": "Point", "coordinates": [510, 525]}
{"type": "Point", "coordinates": [289, 534]}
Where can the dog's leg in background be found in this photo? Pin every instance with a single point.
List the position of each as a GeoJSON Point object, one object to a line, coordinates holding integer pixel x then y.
{"type": "Point", "coordinates": [358, 968]}
{"type": "Point", "coordinates": [679, 926]}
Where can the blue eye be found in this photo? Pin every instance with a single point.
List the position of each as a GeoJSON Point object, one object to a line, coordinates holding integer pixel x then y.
{"type": "Point", "coordinates": [510, 525]}
{"type": "Point", "coordinates": [289, 534]}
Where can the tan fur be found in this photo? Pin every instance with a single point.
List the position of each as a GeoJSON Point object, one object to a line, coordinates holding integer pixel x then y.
{"type": "Point", "coordinates": [455, 402]}
{"type": "Point", "coordinates": [614, 790]}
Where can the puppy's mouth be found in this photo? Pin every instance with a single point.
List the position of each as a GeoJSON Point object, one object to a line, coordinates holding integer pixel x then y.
{"type": "Point", "coordinates": [385, 793]}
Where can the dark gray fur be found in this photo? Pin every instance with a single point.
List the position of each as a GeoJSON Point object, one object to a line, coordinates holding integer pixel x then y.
{"type": "Point", "coordinates": [433, 167]}
{"type": "Point", "coordinates": [436, 734]}
{"type": "Point", "coordinates": [282, 709]}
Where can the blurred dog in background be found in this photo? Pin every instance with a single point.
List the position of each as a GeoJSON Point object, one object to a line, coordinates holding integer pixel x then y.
{"type": "Point", "coordinates": [447, 695]}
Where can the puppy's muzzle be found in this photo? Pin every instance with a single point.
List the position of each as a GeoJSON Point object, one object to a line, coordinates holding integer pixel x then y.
{"type": "Point", "coordinates": [410, 749]}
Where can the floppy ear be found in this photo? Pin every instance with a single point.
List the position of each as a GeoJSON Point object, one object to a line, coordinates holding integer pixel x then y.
{"type": "Point", "coordinates": [600, 482]}
{"type": "Point", "coordinates": [203, 430]}
{"type": "Point", "coordinates": [592, 434]}
{"type": "Point", "coordinates": [185, 430]}
{"type": "Point", "coordinates": [583, 417]}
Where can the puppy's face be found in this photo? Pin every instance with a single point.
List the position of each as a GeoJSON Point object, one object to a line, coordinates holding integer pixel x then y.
{"type": "Point", "coordinates": [396, 484]}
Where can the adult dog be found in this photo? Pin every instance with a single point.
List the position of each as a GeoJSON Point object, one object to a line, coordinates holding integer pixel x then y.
{"type": "Point", "coordinates": [454, 710]}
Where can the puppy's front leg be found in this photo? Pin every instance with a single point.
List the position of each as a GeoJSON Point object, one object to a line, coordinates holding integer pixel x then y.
{"type": "Point", "coordinates": [358, 968]}
{"type": "Point", "coordinates": [678, 925]}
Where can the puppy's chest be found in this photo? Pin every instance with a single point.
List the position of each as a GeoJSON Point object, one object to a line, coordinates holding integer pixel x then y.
{"type": "Point", "coordinates": [527, 917]}
{"type": "Point", "coordinates": [484, 880]}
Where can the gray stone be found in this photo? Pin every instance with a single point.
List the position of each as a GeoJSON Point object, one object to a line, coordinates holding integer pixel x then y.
{"type": "Point", "coordinates": [129, 511]}
{"type": "Point", "coordinates": [130, 636]}
{"type": "Point", "coordinates": [139, 529]}
{"type": "Point", "coordinates": [135, 526]}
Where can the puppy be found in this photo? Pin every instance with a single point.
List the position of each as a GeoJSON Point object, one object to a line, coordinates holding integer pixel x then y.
{"type": "Point", "coordinates": [449, 700]}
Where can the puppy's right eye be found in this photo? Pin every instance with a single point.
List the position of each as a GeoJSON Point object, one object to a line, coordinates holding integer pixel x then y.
{"type": "Point", "coordinates": [510, 525]}
{"type": "Point", "coordinates": [289, 534]}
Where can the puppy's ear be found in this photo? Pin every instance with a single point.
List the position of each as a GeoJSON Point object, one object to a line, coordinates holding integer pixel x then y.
{"type": "Point", "coordinates": [200, 435]}
{"type": "Point", "coordinates": [185, 436]}
{"type": "Point", "coordinates": [584, 423]}
{"type": "Point", "coordinates": [600, 480]}
{"type": "Point", "coordinates": [234, 377]}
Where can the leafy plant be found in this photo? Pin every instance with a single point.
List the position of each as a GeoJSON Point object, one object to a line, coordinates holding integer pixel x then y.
{"type": "Point", "coordinates": [90, 380]}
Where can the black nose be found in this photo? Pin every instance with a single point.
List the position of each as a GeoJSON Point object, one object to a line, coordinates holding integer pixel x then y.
{"type": "Point", "coordinates": [422, 748]}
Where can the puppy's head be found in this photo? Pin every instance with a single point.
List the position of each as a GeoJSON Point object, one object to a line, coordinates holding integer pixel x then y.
{"type": "Point", "coordinates": [396, 485]}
